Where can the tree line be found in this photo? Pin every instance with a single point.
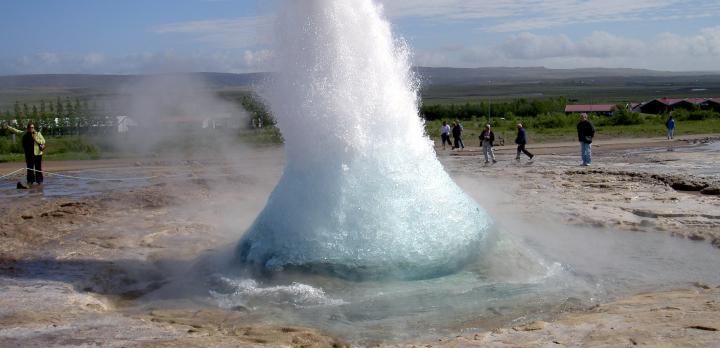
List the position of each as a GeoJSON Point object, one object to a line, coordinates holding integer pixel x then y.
{"type": "Point", "coordinates": [57, 116]}
{"type": "Point", "coordinates": [61, 117]}
{"type": "Point", "coordinates": [520, 107]}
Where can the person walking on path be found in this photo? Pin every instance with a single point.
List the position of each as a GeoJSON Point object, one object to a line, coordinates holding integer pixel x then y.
{"type": "Point", "coordinates": [457, 131]}
{"type": "Point", "coordinates": [586, 132]}
{"type": "Point", "coordinates": [521, 140]}
{"type": "Point", "coordinates": [33, 144]}
{"type": "Point", "coordinates": [487, 137]}
{"type": "Point", "coordinates": [445, 134]}
{"type": "Point", "coordinates": [670, 124]}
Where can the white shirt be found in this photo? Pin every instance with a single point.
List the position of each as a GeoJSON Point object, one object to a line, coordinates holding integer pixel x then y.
{"type": "Point", "coordinates": [445, 129]}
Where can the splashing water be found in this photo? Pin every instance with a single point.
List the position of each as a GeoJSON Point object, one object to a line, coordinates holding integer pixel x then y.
{"type": "Point", "coordinates": [362, 194]}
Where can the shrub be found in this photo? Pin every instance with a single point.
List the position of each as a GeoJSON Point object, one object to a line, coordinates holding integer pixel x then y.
{"type": "Point", "coordinates": [699, 115]}
{"type": "Point", "coordinates": [624, 117]}
{"type": "Point", "coordinates": [553, 120]}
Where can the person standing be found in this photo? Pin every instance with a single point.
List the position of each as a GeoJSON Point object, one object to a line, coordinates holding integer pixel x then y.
{"type": "Point", "coordinates": [33, 144]}
{"type": "Point", "coordinates": [445, 134]}
{"type": "Point", "coordinates": [586, 132]}
{"type": "Point", "coordinates": [487, 138]}
{"type": "Point", "coordinates": [670, 125]}
{"type": "Point", "coordinates": [457, 131]}
{"type": "Point", "coordinates": [521, 140]}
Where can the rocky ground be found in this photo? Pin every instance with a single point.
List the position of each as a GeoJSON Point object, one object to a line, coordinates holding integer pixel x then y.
{"type": "Point", "coordinates": [73, 267]}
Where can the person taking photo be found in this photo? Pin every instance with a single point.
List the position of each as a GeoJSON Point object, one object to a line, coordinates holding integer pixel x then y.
{"type": "Point", "coordinates": [33, 144]}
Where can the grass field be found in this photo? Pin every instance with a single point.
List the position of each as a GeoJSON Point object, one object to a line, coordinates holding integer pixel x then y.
{"type": "Point", "coordinates": [576, 91]}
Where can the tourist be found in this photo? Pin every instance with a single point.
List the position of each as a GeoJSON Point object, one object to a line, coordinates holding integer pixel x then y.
{"type": "Point", "coordinates": [586, 132]}
{"type": "Point", "coordinates": [445, 134]}
{"type": "Point", "coordinates": [33, 145]}
{"type": "Point", "coordinates": [487, 137]}
{"type": "Point", "coordinates": [457, 131]}
{"type": "Point", "coordinates": [670, 125]}
{"type": "Point", "coordinates": [521, 140]}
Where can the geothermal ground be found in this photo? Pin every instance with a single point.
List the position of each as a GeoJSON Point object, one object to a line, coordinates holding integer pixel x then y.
{"type": "Point", "coordinates": [107, 262]}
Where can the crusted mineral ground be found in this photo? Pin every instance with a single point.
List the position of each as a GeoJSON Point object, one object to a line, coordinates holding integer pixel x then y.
{"type": "Point", "coordinates": [78, 259]}
{"type": "Point", "coordinates": [683, 318]}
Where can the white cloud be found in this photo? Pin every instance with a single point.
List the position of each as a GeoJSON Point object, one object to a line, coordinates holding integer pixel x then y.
{"type": "Point", "coordinates": [155, 62]}
{"type": "Point", "coordinates": [666, 51]}
{"type": "Point", "coordinates": [523, 15]}
{"type": "Point", "coordinates": [226, 33]}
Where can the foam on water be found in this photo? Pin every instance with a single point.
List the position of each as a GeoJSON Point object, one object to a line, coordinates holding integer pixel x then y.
{"type": "Point", "coordinates": [231, 293]}
{"type": "Point", "coordinates": [362, 194]}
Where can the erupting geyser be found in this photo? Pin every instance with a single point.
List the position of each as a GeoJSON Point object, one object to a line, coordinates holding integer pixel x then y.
{"type": "Point", "coordinates": [362, 194]}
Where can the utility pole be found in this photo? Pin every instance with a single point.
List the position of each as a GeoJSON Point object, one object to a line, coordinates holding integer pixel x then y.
{"type": "Point", "coordinates": [490, 102]}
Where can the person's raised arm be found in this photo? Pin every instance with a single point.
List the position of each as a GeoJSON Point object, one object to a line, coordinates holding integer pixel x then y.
{"type": "Point", "coordinates": [14, 130]}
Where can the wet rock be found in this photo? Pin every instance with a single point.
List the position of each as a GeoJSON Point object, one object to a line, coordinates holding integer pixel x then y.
{"type": "Point", "coordinates": [711, 190]}
{"type": "Point", "coordinates": [702, 286]}
{"type": "Point", "coordinates": [646, 223]}
{"type": "Point", "coordinates": [680, 183]}
{"type": "Point", "coordinates": [702, 327]}
{"type": "Point", "coordinates": [645, 213]}
{"type": "Point", "coordinates": [534, 326]}
{"type": "Point", "coordinates": [696, 237]}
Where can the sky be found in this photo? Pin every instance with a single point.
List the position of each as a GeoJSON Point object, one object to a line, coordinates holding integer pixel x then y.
{"type": "Point", "coordinates": [151, 36]}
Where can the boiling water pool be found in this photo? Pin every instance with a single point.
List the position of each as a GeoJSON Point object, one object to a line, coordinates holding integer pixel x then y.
{"type": "Point", "coordinates": [529, 274]}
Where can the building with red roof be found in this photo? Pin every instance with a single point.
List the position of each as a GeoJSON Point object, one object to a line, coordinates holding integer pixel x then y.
{"type": "Point", "coordinates": [711, 104]}
{"type": "Point", "coordinates": [665, 105]}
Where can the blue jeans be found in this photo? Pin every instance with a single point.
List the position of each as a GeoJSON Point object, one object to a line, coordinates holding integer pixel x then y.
{"type": "Point", "coordinates": [586, 152]}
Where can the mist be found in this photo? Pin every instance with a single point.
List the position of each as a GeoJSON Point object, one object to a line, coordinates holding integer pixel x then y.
{"type": "Point", "coordinates": [177, 115]}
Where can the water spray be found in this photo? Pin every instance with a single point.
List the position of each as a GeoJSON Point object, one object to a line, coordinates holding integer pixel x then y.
{"type": "Point", "coordinates": [362, 194]}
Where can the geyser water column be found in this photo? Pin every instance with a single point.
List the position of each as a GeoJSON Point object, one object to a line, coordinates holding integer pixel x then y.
{"type": "Point", "coordinates": [363, 194]}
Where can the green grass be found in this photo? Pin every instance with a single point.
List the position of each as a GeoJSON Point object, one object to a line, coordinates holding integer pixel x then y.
{"type": "Point", "coordinates": [129, 145]}
{"type": "Point", "coordinates": [59, 148]}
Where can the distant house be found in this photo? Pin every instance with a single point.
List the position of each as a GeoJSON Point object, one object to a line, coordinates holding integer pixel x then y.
{"type": "Point", "coordinates": [124, 124]}
{"type": "Point", "coordinates": [657, 106]}
{"type": "Point", "coordinates": [711, 104]}
{"type": "Point", "coordinates": [223, 122]}
{"type": "Point", "coordinates": [665, 105]}
{"type": "Point", "coordinates": [603, 109]}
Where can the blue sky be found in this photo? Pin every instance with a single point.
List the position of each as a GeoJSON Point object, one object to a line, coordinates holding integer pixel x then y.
{"type": "Point", "coordinates": [135, 36]}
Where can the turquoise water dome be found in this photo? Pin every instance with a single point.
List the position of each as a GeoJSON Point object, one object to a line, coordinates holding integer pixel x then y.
{"type": "Point", "coordinates": [362, 194]}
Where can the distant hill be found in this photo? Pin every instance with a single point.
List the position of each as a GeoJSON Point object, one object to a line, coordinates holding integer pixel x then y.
{"type": "Point", "coordinates": [428, 75]}
{"type": "Point", "coordinates": [439, 84]}
{"type": "Point", "coordinates": [111, 82]}
{"type": "Point", "coordinates": [480, 76]}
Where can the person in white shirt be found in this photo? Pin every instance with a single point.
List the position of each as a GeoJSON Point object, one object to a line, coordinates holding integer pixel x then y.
{"type": "Point", "coordinates": [445, 134]}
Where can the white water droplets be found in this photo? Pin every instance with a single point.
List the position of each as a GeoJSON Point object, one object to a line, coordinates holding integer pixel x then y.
{"type": "Point", "coordinates": [363, 194]}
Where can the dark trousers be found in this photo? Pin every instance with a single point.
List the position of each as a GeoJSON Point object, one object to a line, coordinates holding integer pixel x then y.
{"type": "Point", "coordinates": [458, 143]}
{"type": "Point", "coordinates": [34, 162]}
{"type": "Point", "coordinates": [446, 139]}
{"type": "Point", "coordinates": [521, 148]}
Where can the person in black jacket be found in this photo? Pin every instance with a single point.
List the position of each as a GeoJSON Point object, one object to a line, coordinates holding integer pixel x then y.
{"type": "Point", "coordinates": [33, 144]}
{"type": "Point", "coordinates": [586, 132]}
{"type": "Point", "coordinates": [487, 138]}
{"type": "Point", "coordinates": [521, 140]}
{"type": "Point", "coordinates": [457, 131]}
